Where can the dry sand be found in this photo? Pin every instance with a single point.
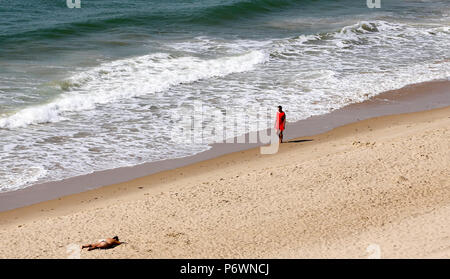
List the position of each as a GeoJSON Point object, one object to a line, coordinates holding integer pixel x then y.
{"type": "Point", "coordinates": [378, 187]}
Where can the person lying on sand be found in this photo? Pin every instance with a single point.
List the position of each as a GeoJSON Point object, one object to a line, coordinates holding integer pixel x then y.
{"type": "Point", "coordinates": [103, 244]}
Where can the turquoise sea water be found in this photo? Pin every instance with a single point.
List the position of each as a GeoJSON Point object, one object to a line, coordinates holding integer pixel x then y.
{"type": "Point", "coordinates": [96, 88]}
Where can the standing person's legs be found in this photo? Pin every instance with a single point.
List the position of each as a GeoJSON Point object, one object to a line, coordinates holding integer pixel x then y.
{"type": "Point", "coordinates": [280, 136]}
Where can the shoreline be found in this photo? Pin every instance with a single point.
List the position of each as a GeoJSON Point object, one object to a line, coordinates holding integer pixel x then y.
{"type": "Point", "coordinates": [411, 98]}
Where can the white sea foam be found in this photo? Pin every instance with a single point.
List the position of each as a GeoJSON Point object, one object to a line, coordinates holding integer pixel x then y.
{"type": "Point", "coordinates": [17, 177]}
{"type": "Point", "coordinates": [130, 78]}
{"type": "Point", "coordinates": [364, 59]}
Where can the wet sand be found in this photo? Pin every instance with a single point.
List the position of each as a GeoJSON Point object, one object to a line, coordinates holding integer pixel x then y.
{"type": "Point", "coordinates": [378, 187]}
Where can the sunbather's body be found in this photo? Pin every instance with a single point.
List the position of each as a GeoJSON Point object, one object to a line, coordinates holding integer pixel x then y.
{"type": "Point", "coordinates": [103, 244]}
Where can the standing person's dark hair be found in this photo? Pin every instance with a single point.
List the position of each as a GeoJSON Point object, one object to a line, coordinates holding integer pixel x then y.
{"type": "Point", "coordinates": [280, 123]}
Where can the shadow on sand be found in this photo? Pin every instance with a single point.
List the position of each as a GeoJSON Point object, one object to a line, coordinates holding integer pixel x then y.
{"type": "Point", "coordinates": [304, 140]}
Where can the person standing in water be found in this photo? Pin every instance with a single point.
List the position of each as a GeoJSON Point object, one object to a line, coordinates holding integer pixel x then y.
{"type": "Point", "coordinates": [280, 123]}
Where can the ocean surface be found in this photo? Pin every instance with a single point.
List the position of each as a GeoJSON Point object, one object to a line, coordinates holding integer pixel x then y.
{"type": "Point", "coordinates": [107, 85]}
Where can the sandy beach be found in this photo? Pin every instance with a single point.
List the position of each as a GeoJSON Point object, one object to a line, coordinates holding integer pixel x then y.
{"type": "Point", "coordinates": [146, 120]}
{"type": "Point", "coordinates": [375, 188]}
